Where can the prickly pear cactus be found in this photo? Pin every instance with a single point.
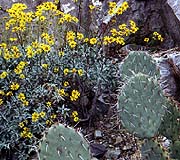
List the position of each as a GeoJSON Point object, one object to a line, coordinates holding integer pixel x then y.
{"type": "Point", "coordinates": [142, 105]}
{"type": "Point", "coordinates": [175, 150]}
{"type": "Point", "coordinates": [170, 126]}
{"type": "Point", "coordinates": [64, 143]}
{"type": "Point", "coordinates": [138, 61]}
{"type": "Point", "coordinates": [151, 150]}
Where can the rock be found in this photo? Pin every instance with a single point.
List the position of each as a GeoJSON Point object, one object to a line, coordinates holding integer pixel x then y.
{"type": "Point", "coordinates": [97, 150]}
{"type": "Point", "coordinates": [118, 140]}
{"type": "Point", "coordinates": [98, 134]}
{"type": "Point", "coordinates": [113, 154]}
{"type": "Point", "coordinates": [175, 5]}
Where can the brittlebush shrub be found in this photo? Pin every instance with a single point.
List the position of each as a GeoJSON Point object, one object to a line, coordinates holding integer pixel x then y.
{"type": "Point", "coordinates": [46, 70]}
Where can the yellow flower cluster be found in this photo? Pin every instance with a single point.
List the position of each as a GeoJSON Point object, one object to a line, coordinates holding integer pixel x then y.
{"type": "Point", "coordinates": [35, 116]}
{"type": "Point", "coordinates": [18, 18]}
{"type": "Point", "coordinates": [75, 94]}
{"type": "Point", "coordinates": [72, 37]}
{"type": "Point", "coordinates": [50, 120]}
{"type": "Point", "coordinates": [114, 9]}
{"type": "Point", "coordinates": [48, 38]}
{"type": "Point", "coordinates": [22, 98]}
{"type": "Point", "coordinates": [38, 48]}
{"type": "Point", "coordinates": [25, 133]}
{"type": "Point", "coordinates": [117, 36]}
{"type": "Point", "coordinates": [75, 116]}
{"type": "Point", "coordinates": [74, 70]}
{"type": "Point", "coordinates": [157, 36]}
{"type": "Point", "coordinates": [5, 52]}
{"type": "Point", "coordinates": [19, 68]}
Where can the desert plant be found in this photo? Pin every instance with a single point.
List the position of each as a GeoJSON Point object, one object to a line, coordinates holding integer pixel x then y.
{"type": "Point", "coordinates": [144, 110]}
{"type": "Point", "coordinates": [63, 142]}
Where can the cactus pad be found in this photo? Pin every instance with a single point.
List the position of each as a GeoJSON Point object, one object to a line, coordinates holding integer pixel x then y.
{"type": "Point", "coordinates": [170, 126]}
{"type": "Point", "coordinates": [138, 61]}
{"type": "Point", "coordinates": [175, 150]}
{"type": "Point", "coordinates": [151, 150]}
{"type": "Point", "coordinates": [64, 143]}
{"type": "Point", "coordinates": [142, 105]}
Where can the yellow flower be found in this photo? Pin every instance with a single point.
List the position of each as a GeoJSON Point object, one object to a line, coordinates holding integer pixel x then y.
{"type": "Point", "coordinates": [76, 119]}
{"type": "Point", "coordinates": [112, 4]}
{"type": "Point", "coordinates": [10, 93]}
{"type": "Point", "coordinates": [61, 92]}
{"type": "Point", "coordinates": [21, 76]}
{"type": "Point", "coordinates": [74, 95]}
{"type": "Point", "coordinates": [48, 122]}
{"type": "Point", "coordinates": [25, 102]}
{"type": "Point", "coordinates": [42, 18]}
{"type": "Point", "coordinates": [113, 31]}
{"type": "Point", "coordinates": [46, 47]}
{"type": "Point", "coordinates": [80, 72]}
{"type": "Point", "coordinates": [74, 113]}
{"type": "Point", "coordinates": [45, 66]}
{"type": "Point", "coordinates": [120, 11]}
{"type": "Point", "coordinates": [74, 70]}
{"type": "Point", "coordinates": [29, 135]}
{"type": "Point", "coordinates": [25, 129]}
{"type": "Point", "coordinates": [146, 39]}
{"type": "Point", "coordinates": [21, 96]}
{"type": "Point", "coordinates": [91, 7]}
{"type": "Point", "coordinates": [2, 92]}
{"type": "Point", "coordinates": [66, 71]}
{"type": "Point", "coordinates": [86, 40]}
{"type": "Point", "coordinates": [42, 114]}
{"type": "Point", "coordinates": [18, 70]}
{"type": "Point", "coordinates": [72, 44]}
{"type": "Point", "coordinates": [93, 41]}
{"type": "Point", "coordinates": [66, 84]}
{"type": "Point", "coordinates": [80, 35]}
{"type": "Point", "coordinates": [14, 86]}
{"type": "Point", "coordinates": [48, 104]}
{"type": "Point", "coordinates": [1, 101]}
{"type": "Point", "coordinates": [35, 44]}
{"type": "Point", "coordinates": [3, 75]}
{"type": "Point", "coordinates": [67, 17]}
{"type": "Point", "coordinates": [21, 125]}
{"type": "Point", "coordinates": [61, 53]}
{"type": "Point", "coordinates": [111, 12]}
{"type": "Point", "coordinates": [13, 39]}
{"type": "Point", "coordinates": [35, 117]}
{"type": "Point", "coordinates": [23, 134]}
{"type": "Point", "coordinates": [3, 45]}
{"type": "Point", "coordinates": [53, 116]}
{"type": "Point", "coordinates": [56, 69]}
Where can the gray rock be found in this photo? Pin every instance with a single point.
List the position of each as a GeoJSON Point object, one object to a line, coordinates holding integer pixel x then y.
{"type": "Point", "coordinates": [97, 134]}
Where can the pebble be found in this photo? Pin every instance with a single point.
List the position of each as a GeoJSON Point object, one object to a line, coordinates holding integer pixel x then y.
{"type": "Point", "coordinates": [98, 134]}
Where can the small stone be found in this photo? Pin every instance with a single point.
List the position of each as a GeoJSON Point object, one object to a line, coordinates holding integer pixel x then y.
{"type": "Point", "coordinates": [113, 154]}
{"type": "Point", "coordinates": [118, 140]}
{"type": "Point", "coordinates": [98, 134]}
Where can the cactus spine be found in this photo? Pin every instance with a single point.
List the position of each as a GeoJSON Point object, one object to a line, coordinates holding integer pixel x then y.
{"type": "Point", "coordinates": [64, 143]}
